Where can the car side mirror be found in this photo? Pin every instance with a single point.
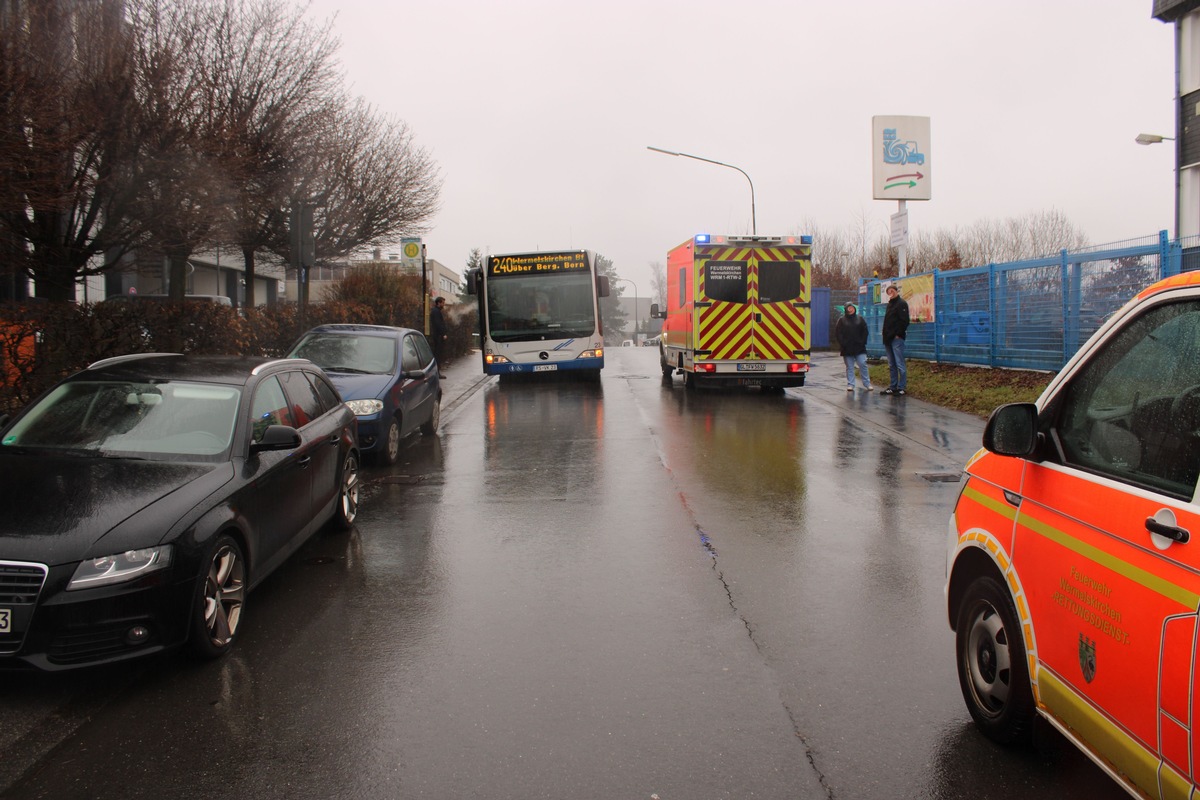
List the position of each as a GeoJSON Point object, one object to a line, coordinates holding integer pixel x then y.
{"type": "Point", "coordinates": [277, 437]}
{"type": "Point", "coordinates": [1011, 430]}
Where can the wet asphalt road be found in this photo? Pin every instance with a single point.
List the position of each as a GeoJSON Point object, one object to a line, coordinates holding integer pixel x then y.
{"type": "Point", "coordinates": [614, 591]}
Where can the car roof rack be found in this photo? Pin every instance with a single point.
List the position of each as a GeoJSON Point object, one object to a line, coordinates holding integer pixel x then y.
{"type": "Point", "coordinates": [107, 362]}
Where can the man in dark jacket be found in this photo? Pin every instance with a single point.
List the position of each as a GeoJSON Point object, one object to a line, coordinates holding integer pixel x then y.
{"type": "Point", "coordinates": [895, 326]}
{"type": "Point", "coordinates": [438, 333]}
{"type": "Point", "coordinates": [851, 332]}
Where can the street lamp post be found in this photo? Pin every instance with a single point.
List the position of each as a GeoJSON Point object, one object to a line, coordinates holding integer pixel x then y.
{"type": "Point", "coordinates": [753, 221]}
{"type": "Point", "coordinates": [635, 304]}
{"type": "Point", "coordinates": [1154, 138]}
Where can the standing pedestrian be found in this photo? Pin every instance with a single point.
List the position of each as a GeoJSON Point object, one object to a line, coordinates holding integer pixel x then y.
{"type": "Point", "coordinates": [895, 327]}
{"type": "Point", "coordinates": [437, 330]}
{"type": "Point", "coordinates": [851, 333]}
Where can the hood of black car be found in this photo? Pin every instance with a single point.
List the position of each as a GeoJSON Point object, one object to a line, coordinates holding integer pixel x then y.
{"type": "Point", "coordinates": [54, 510]}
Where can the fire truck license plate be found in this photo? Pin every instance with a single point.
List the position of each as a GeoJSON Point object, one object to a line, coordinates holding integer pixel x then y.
{"type": "Point", "coordinates": [5, 620]}
{"type": "Point", "coordinates": [760, 367]}
{"type": "Point", "coordinates": [545, 367]}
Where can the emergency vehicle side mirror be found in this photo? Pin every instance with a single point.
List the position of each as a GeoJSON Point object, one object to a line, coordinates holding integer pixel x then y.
{"type": "Point", "coordinates": [654, 313]}
{"type": "Point", "coordinates": [1011, 430]}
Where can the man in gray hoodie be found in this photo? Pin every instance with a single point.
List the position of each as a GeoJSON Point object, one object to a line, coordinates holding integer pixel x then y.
{"type": "Point", "coordinates": [851, 332]}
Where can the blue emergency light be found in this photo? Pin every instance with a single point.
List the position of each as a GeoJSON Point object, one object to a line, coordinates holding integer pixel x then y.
{"type": "Point", "coordinates": [702, 238]}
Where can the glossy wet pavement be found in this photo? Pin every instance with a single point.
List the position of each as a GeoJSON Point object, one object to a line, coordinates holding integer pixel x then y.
{"type": "Point", "coordinates": [622, 590]}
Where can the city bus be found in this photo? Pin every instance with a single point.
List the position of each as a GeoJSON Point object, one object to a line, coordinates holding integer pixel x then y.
{"type": "Point", "coordinates": [540, 313]}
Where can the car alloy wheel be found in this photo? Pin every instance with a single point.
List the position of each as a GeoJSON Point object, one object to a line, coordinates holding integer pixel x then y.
{"type": "Point", "coordinates": [435, 417]}
{"type": "Point", "coordinates": [222, 595]}
{"type": "Point", "coordinates": [391, 443]}
{"type": "Point", "coordinates": [347, 507]}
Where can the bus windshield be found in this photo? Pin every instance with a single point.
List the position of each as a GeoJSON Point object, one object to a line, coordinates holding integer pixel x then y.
{"type": "Point", "coordinates": [523, 308]}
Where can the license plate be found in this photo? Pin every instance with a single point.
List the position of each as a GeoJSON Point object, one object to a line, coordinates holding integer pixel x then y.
{"type": "Point", "coordinates": [5, 620]}
{"type": "Point", "coordinates": [545, 367]}
{"type": "Point", "coordinates": [752, 367]}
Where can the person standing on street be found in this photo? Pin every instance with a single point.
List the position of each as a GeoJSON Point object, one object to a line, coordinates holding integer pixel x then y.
{"type": "Point", "coordinates": [895, 327]}
{"type": "Point", "coordinates": [437, 331]}
{"type": "Point", "coordinates": [851, 333]}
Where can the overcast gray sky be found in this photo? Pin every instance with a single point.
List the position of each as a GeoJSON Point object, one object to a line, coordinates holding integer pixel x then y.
{"type": "Point", "coordinates": [539, 112]}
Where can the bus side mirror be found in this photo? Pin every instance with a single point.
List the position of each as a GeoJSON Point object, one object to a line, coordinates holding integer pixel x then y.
{"type": "Point", "coordinates": [473, 278]}
{"type": "Point", "coordinates": [602, 286]}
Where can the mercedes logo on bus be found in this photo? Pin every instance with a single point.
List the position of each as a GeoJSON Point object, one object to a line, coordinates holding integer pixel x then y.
{"type": "Point", "coordinates": [543, 355]}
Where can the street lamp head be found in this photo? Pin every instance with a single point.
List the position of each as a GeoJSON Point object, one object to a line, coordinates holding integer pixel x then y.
{"type": "Point", "coordinates": [753, 220]}
{"type": "Point", "coordinates": [1152, 138]}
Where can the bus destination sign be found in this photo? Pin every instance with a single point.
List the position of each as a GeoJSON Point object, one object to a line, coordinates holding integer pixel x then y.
{"type": "Point", "coordinates": [537, 263]}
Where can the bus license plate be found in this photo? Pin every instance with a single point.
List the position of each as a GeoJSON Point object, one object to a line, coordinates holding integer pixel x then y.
{"type": "Point", "coordinates": [545, 367]}
{"type": "Point", "coordinates": [5, 620]}
{"type": "Point", "coordinates": [752, 367]}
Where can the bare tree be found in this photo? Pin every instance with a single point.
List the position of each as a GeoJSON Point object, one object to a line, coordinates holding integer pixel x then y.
{"type": "Point", "coordinates": [369, 181]}
{"type": "Point", "coordinates": [658, 283]}
{"type": "Point", "coordinates": [612, 318]}
{"type": "Point", "coordinates": [67, 134]}
{"type": "Point", "coordinates": [274, 76]}
{"type": "Point", "coordinates": [183, 119]}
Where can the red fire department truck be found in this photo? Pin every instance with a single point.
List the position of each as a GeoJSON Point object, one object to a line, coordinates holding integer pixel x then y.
{"type": "Point", "coordinates": [737, 311]}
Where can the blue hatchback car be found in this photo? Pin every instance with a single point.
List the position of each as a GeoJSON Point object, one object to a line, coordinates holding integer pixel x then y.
{"type": "Point", "coordinates": [387, 376]}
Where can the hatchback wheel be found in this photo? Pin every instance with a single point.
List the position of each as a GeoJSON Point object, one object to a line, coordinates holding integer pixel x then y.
{"type": "Point", "coordinates": [992, 669]}
{"type": "Point", "coordinates": [435, 418]}
{"type": "Point", "coordinates": [220, 597]}
{"type": "Point", "coordinates": [347, 505]}
{"type": "Point", "coordinates": [389, 447]}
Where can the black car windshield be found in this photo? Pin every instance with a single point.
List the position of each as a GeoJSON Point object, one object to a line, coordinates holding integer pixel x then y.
{"type": "Point", "coordinates": [155, 420]}
{"type": "Point", "coordinates": [348, 352]}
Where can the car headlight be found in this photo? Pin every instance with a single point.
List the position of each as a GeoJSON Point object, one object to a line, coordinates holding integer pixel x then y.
{"type": "Point", "coordinates": [120, 567]}
{"type": "Point", "coordinates": [364, 408]}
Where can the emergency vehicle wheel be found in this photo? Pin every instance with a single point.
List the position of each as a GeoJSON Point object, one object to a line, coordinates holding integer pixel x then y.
{"type": "Point", "coordinates": [993, 672]}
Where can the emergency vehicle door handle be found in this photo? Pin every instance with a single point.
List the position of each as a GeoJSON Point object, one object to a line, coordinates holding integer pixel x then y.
{"type": "Point", "coordinates": [1170, 531]}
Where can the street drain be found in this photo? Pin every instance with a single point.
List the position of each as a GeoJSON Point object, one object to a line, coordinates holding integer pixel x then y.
{"type": "Point", "coordinates": [941, 477]}
{"type": "Point", "coordinates": [401, 480]}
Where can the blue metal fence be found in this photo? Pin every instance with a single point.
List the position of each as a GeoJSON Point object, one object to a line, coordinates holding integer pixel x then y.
{"type": "Point", "coordinates": [1027, 314]}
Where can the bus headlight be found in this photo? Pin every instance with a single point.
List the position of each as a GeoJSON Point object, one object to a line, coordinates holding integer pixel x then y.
{"type": "Point", "coordinates": [596, 353]}
{"type": "Point", "coordinates": [494, 359]}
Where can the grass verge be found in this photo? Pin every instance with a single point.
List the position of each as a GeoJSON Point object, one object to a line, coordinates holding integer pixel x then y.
{"type": "Point", "coordinates": [974, 390]}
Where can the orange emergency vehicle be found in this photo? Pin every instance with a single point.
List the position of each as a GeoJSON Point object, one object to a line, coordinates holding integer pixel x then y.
{"type": "Point", "coordinates": [737, 311]}
{"type": "Point", "coordinates": [1073, 574]}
